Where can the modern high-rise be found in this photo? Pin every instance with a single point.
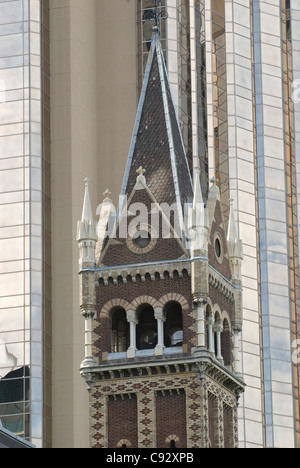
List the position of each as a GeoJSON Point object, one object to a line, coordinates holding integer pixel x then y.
{"type": "Point", "coordinates": [71, 73]}
{"type": "Point", "coordinates": [25, 220]}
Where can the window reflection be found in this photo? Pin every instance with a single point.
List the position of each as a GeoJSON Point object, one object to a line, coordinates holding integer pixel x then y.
{"type": "Point", "coordinates": [21, 293]}
{"type": "Point", "coordinates": [176, 30]}
{"type": "Point", "coordinates": [146, 22]}
{"type": "Point", "coordinates": [11, 45]}
{"type": "Point", "coordinates": [220, 101]}
{"type": "Point", "coordinates": [14, 401]}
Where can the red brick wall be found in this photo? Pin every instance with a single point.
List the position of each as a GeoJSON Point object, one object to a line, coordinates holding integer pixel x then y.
{"type": "Point", "coordinates": [129, 291]}
{"type": "Point", "coordinates": [165, 249]}
{"type": "Point", "coordinates": [212, 415]}
{"type": "Point", "coordinates": [122, 421]}
{"type": "Point", "coordinates": [228, 426]}
{"type": "Point", "coordinates": [217, 226]}
{"type": "Point", "coordinates": [171, 419]}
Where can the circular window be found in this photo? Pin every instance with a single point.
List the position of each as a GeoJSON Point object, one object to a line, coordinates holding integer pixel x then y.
{"type": "Point", "coordinates": [218, 248]}
{"type": "Point", "coordinates": [141, 239]}
{"type": "Point", "coordinates": [218, 245]}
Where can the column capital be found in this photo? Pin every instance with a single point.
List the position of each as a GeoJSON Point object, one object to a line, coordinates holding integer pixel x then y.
{"type": "Point", "coordinates": [159, 315]}
{"type": "Point", "coordinates": [199, 299]}
{"type": "Point", "coordinates": [211, 319]}
{"type": "Point", "coordinates": [131, 317]}
{"type": "Point", "coordinates": [237, 325]}
{"type": "Point", "coordinates": [87, 312]}
{"type": "Point", "coordinates": [218, 327]}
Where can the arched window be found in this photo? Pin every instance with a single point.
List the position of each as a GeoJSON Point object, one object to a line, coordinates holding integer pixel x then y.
{"type": "Point", "coordinates": [146, 329]}
{"type": "Point", "coordinates": [124, 444]}
{"type": "Point", "coordinates": [172, 441]}
{"type": "Point", "coordinates": [173, 325]}
{"type": "Point", "coordinates": [226, 343]}
{"type": "Point", "coordinates": [119, 331]}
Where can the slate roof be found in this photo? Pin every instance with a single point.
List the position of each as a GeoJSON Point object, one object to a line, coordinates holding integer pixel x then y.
{"type": "Point", "coordinates": [157, 143]}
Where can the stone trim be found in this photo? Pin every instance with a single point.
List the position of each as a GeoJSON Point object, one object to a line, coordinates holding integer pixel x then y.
{"type": "Point", "coordinates": [105, 311]}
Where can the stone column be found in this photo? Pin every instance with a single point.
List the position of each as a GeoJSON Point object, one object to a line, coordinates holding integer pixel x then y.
{"type": "Point", "coordinates": [88, 341]}
{"type": "Point", "coordinates": [131, 317]}
{"type": "Point", "coordinates": [218, 328]}
{"type": "Point", "coordinates": [159, 349]}
{"type": "Point", "coordinates": [211, 344]}
{"type": "Point", "coordinates": [201, 322]}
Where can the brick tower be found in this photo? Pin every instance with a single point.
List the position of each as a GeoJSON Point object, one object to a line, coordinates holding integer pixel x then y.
{"type": "Point", "coordinates": [161, 295]}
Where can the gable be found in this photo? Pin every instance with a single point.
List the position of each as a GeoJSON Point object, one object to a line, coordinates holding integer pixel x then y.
{"type": "Point", "coordinates": [157, 144]}
{"type": "Point", "coordinates": [218, 256]}
{"type": "Point", "coordinates": [142, 212]}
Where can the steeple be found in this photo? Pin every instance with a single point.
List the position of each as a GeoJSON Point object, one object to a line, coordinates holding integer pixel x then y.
{"type": "Point", "coordinates": [157, 144]}
{"type": "Point", "coordinates": [235, 247]}
{"type": "Point", "coordinates": [87, 231]}
{"type": "Point", "coordinates": [166, 314]}
{"type": "Point", "coordinates": [199, 222]}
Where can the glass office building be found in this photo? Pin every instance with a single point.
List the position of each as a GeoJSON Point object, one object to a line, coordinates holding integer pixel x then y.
{"type": "Point", "coordinates": [234, 69]}
{"type": "Point", "coordinates": [235, 66]}
{"type": "Point", "coordinates": [24, 218]}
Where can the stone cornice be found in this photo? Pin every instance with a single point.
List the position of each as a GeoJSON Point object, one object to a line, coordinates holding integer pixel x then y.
{"type": "Point", "coordinates": [157, 270]}
{"type": "Point", "coordinates": [203, 364]}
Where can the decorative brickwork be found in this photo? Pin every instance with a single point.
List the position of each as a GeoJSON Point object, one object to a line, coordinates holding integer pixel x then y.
{"type": "Point", "coordinates": [172, 404]}
{"type": "Point", "coordinates": [162, 313]}
{"type": "Point", "coordinates": [137, 293]}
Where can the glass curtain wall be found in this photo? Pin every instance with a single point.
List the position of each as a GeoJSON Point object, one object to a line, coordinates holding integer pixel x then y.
{"type": "Point", "coordinates": [293, 28]}
{"type": "Point", "coordinates": [234, 72]}
{"type": "Point", "coordinates": [145, 24]}
{"type": "Point", "coordinates": [201, 111]}
{"type": "Point", "coordinates": [220, 101]}
{"type": "Point", "coordinates": [291, 185]}
{"type": "Point", "coordinates": [184, 71]}
{"type": "Point", "coordinates": [183, 40]}
{"type": "Point", "coordinates": [276, 214]}
{"type": "Point", "coordinates": [24, 205]}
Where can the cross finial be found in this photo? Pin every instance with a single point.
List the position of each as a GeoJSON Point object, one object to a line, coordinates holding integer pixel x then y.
{"type": "Point", "coordinates": [107, 194]}
{"type": "Point", "coordinates": [155, 14]}
{"type": "Point", "coordinates": [86, 181]}
{"type": "Point", "coordinates": [214, 191]}
{"type": "Point", "coordinates": [140, 180]}
{"type": "Point", "coordinates": [141, 171]}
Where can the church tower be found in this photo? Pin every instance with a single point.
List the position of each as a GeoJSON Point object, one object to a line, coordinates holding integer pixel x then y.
{"type": "Point", "coordinates": [161, 295]}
